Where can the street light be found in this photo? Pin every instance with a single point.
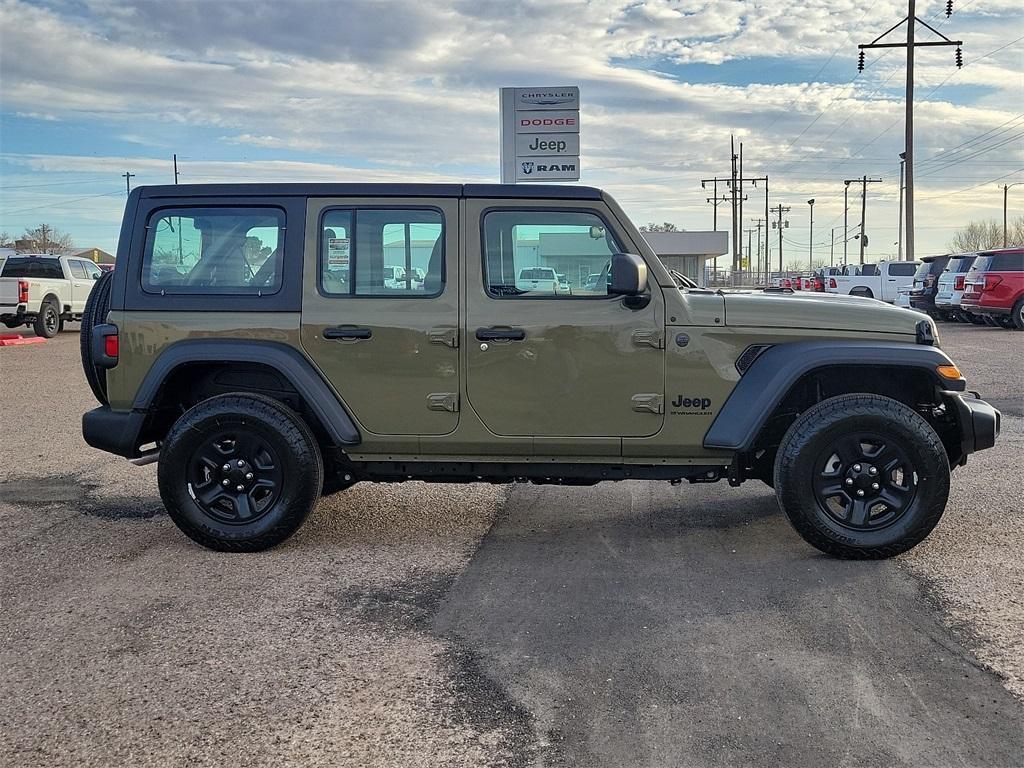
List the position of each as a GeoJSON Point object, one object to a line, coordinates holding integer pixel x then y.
{"type": "Point", "coordinates": [810, 240]}
{"type": "Point", "coordinates": [899, 238]}
{"type": "Point", "coordinates": [1006, 188]}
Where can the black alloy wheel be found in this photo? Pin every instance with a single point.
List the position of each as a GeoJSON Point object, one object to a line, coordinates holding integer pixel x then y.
{"type": "Point", "coordinates": [240, 472]}
{"type": "Point", "coordinates": [236, 476]}
{"type": "Point", "coordinates": [864, 482]}
{"type": "Point", "coordinates": [47, 322]}
{"type": "Point", "coordinates": [862, 476]}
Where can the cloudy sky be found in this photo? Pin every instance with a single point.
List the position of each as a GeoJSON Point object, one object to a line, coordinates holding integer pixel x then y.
{"type": "Point", "coordinates": [295, 90]}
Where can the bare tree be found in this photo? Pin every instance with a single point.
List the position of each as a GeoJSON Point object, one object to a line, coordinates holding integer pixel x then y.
{"type": "Point", "coordinates": [982, 235]}
{"type": "Point", "coordinates": [49, 240]}
{"type": "Point", "coordinates": [6, 241]}
{"type": "Point", "coordinates": [666, 226]}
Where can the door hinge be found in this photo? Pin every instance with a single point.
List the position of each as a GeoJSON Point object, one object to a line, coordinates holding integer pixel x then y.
{"type": "Point", "coordinates": [448, 337]}
{"type": "Point", "coordinates": [654, 339]}
{"type": "Point", "coordinates": [443, 401]}
{"type": "Point", "coordinates": [649, 403]}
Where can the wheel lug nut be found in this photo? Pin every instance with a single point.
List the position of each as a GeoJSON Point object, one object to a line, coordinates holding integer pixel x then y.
{"type": "Point", "coordinates": [849, 481]}
{"type": "Point", "coordinates": [860, 493]}
{"type": "Point", "coordinates": [225, 481]}
{"type": "Point", "coordinates": [872, 471]}
{"type": "Point", "coordinates": [856, 467]}
{"type": "Point", "coordinates": [248, 475]}
{"type": "Point", "coordinates": [241, 463]}
{"type": "Point", "coordinates": [874, 486]}
{"type": "Point", "coordinates": [241, 488]}
{"type": "Point", "coordinates": [226, 467]}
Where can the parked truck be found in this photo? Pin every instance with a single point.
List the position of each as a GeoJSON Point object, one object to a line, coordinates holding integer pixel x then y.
{"type": "Point", "coordinates": [875, 281]}
{"type": "Point", "coordinates": [44, 291]}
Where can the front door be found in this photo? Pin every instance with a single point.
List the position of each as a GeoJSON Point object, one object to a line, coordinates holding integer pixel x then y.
{"type": "Point", "coordinates": [380, 310]}
{"type": "Point", "coordinates": [82, 282]}
{"type": "Point", "coordinates": [560, 358]}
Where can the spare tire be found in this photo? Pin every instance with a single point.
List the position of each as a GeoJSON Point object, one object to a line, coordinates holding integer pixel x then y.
{"type": "Point", "coordinates": [95, 313]}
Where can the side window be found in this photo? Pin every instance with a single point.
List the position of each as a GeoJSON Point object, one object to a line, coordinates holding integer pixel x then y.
{"type": "Point", "coordinates": [77, 269]}
{"type": "Point", "coordinates": [897, 269]}
{"type": "Point", "coordinates": [214, 251]}
{"type": "Point", "coordinates": [394, 252]}
{"type": "Point", "coordinates": [537, 253]}
{"type": "Point", "coordinates": [93, 271]}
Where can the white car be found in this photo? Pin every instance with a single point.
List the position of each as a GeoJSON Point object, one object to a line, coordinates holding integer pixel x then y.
{"type": "Point", "coordinates": [951, 285]}
{"type": "Point", "coordinates": [878, 281]}
{"type": "Point", "coordinates": [394, 277]}
{"type": "Point", "coordinates": [44, 291]}
{"type": "Point", "coordinates": [538, 280]}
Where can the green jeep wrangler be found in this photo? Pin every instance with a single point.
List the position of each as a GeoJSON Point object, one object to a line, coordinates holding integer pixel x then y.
{"type": "Point", "coordinates": [267, 343]}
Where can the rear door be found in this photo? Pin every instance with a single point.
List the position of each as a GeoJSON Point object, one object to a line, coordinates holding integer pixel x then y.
{"type": "Point", "coordinates": [552, 365]}
{"type": "Point", "coordinates": [386, 341]}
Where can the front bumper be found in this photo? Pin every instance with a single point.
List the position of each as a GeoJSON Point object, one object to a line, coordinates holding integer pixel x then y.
{"type": "Point", "coordinates": [115, 432]}
{"type": "Point", "coordinates": [979, 423]}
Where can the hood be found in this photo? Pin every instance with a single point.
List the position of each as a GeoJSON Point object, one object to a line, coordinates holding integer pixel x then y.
{"type": "Point", "coordinates": [818, 311]}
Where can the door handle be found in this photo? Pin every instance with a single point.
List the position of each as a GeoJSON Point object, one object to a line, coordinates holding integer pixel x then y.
{"type": "Point", "coordinates": [346, 332]}
{"type": "Point", "coordinates": [500, 334]}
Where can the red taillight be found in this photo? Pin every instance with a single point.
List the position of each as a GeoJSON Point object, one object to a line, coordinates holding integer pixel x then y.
{"type": "Point", "coordinates": [991, 281]}
{"type": "Point", "coordinates": [958, 282]}
{"type": "Point", "coordinates": [111, 346]}
{"type": "Point", "coordinates": [23, 291]}
{"type": "Point", "coordinates": [831, 282]}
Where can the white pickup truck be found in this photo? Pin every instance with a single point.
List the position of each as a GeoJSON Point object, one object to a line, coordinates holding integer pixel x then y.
{"type": "Point", "coordinates": [44, 291]}
{"type": "Point", "coordinates": [875, 281]}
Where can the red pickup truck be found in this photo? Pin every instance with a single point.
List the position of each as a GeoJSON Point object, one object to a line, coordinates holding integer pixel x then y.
{"type": "Point", "coordinates": [995, 287]}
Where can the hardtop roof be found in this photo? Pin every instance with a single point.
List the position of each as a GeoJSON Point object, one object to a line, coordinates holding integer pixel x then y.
{"type": "Point", "coordinates": [293, 189]}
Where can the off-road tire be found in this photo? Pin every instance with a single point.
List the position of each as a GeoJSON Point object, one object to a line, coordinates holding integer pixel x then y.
{"type": "Point", "coordinates": [1017, 315]}
{"type": "Point", "coordinates": [48, 322]}
{"type": "Point", "coordinates": [284, 433]}
{"type": "Point", "coordinates": [817, 429]}
{"type": "Point", "coordinates": [95, 313]}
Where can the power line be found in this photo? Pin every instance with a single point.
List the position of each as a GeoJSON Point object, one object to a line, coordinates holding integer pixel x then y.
{"type": "Point", "coordinates": [62, 203]}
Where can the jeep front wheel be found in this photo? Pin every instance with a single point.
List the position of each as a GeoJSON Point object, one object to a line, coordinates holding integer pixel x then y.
{"type": "Point", "coordinates": [862, 477]}
{"type": "Point", "coordinates": [239, 472]}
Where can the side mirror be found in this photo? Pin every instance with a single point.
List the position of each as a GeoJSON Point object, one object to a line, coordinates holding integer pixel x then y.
{"type": "Point", "coordinates": [628, 275]}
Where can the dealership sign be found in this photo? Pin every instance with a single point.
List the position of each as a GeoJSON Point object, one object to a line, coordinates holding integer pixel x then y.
{"type": "Point", "coordinates": [540, 134]}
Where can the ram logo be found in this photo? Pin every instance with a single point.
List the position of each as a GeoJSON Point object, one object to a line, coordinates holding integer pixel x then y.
{"type": "Point", "coordinates": [527, 168]}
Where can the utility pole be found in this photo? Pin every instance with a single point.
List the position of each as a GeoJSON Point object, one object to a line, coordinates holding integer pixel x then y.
{"type": "Point", "coordinates": [832, 252]}
{"type": "Point", "coordinates": [735, 222]}
{"type": "Point", "coordinates": [740, 179]}
{"type": "Point", "coordinates": [911, 21]}
{"type": "Point", "coordinates": [175, 167]}
{"type": "Point", "coordinates": [846, 212]}
{"type": "Point", "coordinates": [810, 239]}
{"type": "Point", "coordinates": [715, 201]}
{"type": "Point", "coordinates": [1006, 189]}
{"type": "Point", "coordinates": [781, 210]}
{"type": "Point", "coordinates": [750, 238]}
{"type": "Point", "coordinates": [864, 181]}
{"type": "Point", "coordinates": [127, 181]}
{"type": "Point", "coordinates": [759, 223]}
{"type": "Point", "coordinates": [899, 236]}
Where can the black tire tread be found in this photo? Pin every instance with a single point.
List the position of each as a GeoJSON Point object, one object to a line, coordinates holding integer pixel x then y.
{"type": "Point", "coordinates": [295, 432]}
{"type": "Point", "coordinates": [1016, 315]}
{"type": "Point", "coordinates": [95, 313]}
{"type": "Point", "coordinates": [39, 326]}
{"type": "Point", "coordinates": [812, 421]}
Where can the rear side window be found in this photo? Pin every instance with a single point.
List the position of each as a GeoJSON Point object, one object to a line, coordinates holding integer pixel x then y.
{"type": "Point", "coordinates": [393, 252]}
{"type": "Point", "coordinates": [907, 268]}
{"type": "Point", "coordinates": [77, 269]}
{"type": "Point", "coordinates": [33, 267]}
{"type": "Point", "coordinates": [1001, 262]}
{"type": "Point", "coordinates": [214, 251]}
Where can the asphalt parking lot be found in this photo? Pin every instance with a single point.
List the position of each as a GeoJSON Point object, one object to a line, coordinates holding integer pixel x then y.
{"type": "Point", "coordinates": [626, 624]}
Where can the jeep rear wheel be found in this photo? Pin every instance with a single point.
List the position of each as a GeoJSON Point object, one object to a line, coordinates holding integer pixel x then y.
{"type": "Point", "coordinates": [240, 472]}
{"type": "Point", "coordinates": [862, 477]}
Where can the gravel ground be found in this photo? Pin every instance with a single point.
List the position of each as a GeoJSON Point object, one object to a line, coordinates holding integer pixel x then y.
{"type": "Point", "coordinates": [972, 561]}
{"type": "Point", "coordinates": [121, 643]}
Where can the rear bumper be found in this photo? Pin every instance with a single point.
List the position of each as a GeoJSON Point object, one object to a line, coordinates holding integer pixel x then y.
{"type": "Point", "coordinates": [981, 309]}
{"type": "Point", "coordinates": [115, 432]}
{"type": "Point", "coordinates": [979, 423]}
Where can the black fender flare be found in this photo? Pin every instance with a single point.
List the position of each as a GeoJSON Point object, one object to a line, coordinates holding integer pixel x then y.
{"type": "Point", "coordinates": [286, 360]}
{"type": "Point", "coordinates": [774, 372]}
